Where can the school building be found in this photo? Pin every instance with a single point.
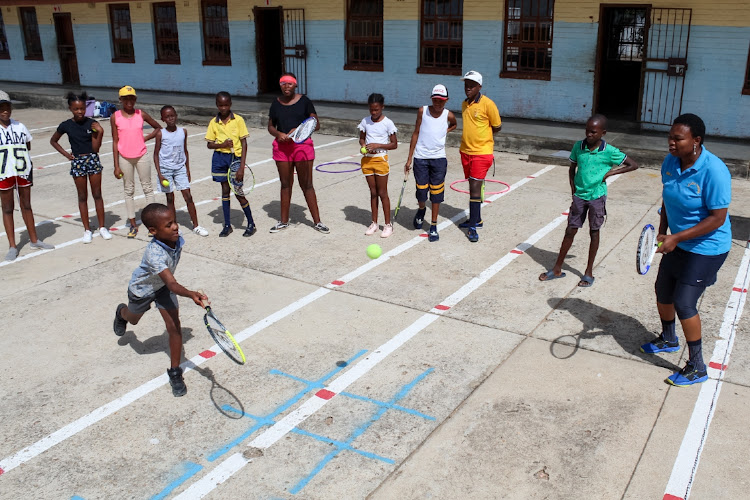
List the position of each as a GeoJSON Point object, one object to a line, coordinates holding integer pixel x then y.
{"type": "Point", "coordinates": [541, 59]}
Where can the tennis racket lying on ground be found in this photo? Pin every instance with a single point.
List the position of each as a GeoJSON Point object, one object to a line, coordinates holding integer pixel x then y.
{"type": "Point", "coordinates": [221, 335]}
{"type": "Point", "coordinates": [647, 246]}
{"type": "Point", "coordinates": [241, 188]}
{"type": "Point", "coordinates": [400, 197]}
{"type": "Point", "coordinates": [304, 130]}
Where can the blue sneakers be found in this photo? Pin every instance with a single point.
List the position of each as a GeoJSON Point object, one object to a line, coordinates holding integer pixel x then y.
{"type": "Point", "coordinates": [419, 218]}
{"type": "Point", "coordinates": [467, 224]}
{"type": "Point", "coordinates": [688, 376]}
{"type": "Point", "coordinates": [433, 234]}
{"type": "Point", "coordinates": [472, 234]}
{"type": "Point", "coordinates": [660, 345]}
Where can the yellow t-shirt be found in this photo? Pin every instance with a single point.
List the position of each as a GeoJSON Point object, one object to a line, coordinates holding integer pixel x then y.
{"type": "Point", "coordinates": [234, 129]}
{"type": "Point", "coordinates": [478, 120]}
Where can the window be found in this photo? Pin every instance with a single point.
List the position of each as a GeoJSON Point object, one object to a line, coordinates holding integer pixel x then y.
{"type": "Point", "coordinates": [216, 49]}
{"type": "Point", "coordinates": [746, 86]}
{"type": "Point", "coordinates": [527, 51]}
{"type": "Point", "coordinates": [30, 28]}
{"type": "Point", "coordinates": [4, 50]}
{"type": "Point", "coordinates": [441, 37]}
{"type": "Point", "coordinates": [364, 35]}
{"type": "Point", "coordinates": [122, 33]}
{"type": "Point", "coordinates": [165, 33]}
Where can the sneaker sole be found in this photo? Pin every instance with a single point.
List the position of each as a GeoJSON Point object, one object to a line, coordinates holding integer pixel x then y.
{"type": "Point", "coordinates": [692, 382]}
{"type": "Point", "coordinates": [666, 349]}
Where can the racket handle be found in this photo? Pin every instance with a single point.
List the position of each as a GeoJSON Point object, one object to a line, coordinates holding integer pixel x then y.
{"type": "Point", "coordinates": [205, 303]}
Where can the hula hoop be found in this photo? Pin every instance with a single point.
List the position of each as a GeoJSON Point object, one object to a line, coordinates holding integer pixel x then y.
{"type": "Point", "coordinates": [489, 193]}
{"type": "Point", "coordinates": [338, 163]}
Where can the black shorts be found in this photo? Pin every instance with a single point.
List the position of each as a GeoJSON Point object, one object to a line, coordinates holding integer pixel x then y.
{"type": "Point", "coordinates": [596, 209]}
{"type": "Point", "coordinates": [683, 276]}
{"type": "Point", "coordinates": [163, 297]}
{"type": "Point", "coordinates": [430, 173]}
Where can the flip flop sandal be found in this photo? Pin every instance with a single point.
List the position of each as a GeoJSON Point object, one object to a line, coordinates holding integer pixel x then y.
{"type": "Point", "coordinates": [589, 280]}
{"type": "Point", "coordinates": [550, 275]}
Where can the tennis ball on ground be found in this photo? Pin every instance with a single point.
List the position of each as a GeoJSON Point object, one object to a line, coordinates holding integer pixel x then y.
{"type": "Point", "coordinates": [165, 183]}
{"type": "Point", "coordinates": [363, 150]}
{"type": "Point", "coordinates": [374, 251]}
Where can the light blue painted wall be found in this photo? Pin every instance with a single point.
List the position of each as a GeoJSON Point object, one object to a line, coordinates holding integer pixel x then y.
{"type": "Point", "coordinates": [717, 60]}
{"type": "Point", "coordinates": [18, 69]}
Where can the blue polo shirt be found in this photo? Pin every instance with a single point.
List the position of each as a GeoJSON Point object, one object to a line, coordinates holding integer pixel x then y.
{"type": "Point", "coordinates": [689, 195]}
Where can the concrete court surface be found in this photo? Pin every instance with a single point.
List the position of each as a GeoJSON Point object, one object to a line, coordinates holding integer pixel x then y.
{"type": "Point", "coordinates": [510, 388]}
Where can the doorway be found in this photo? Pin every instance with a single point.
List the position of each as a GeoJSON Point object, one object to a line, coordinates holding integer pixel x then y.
{"type": "Point", "coordinates": [269, 46]}
{"type": "Point", "coordinates": [66, 48]}
{"type": "Point", "coordinates": [622, 38]}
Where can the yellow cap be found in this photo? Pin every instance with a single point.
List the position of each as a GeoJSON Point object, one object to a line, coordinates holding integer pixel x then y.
{"type": "Point", "coordinates": [127, 90]}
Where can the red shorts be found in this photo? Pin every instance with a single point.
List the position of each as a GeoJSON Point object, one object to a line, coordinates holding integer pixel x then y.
{"type": "Point", "coordinates": [12, 182]}
{"type": "Point", "coordinates": [476, 166]}
{"type": "Point", "coordinates": [290, 151]}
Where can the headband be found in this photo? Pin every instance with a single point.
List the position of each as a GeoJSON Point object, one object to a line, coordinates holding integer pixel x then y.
{"type": "Point", "coordinates": [288, 79]}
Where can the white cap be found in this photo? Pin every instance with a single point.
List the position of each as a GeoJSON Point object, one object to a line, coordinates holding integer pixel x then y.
{"type": "Point", "coordinates": [439, 91]}
{"type": "Point", "coordinates": [474, 76]}
{"type": "Point", "coordinates": [4, 97]}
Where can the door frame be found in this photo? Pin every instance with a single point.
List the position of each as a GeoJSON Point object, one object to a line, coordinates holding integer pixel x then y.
{"type": "Point", "coordinates": [260, 54]}
{"type": "Point", "coordinates": [600, 47]}
{"type": "Point", "coordinates": [66, 17]}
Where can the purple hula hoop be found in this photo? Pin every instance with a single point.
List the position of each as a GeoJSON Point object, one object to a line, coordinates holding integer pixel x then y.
{"type": "Point", "coordinates": [338, 163]}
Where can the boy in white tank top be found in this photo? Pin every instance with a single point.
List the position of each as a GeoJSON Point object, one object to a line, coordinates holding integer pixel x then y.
{"type": "Point", "coordinates": [427, 148]}
{"type": "Point", "coordinates": [173, 165]}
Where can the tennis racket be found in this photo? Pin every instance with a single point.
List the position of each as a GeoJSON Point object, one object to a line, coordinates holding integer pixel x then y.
{"type": "Point", "coordinates": [304, 130]}
{"type": "Point", "coordinates": [400, 197]}
{"type": "Point", "coordinates": [241, 188]}
{"type": "Point", "coordinates": [647, 246]}
{"type": "Point", "coordinates": [221, 335]}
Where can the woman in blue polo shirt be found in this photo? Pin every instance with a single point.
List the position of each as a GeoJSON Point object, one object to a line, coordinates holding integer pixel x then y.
{"type": "Point", "coordinates": [696, 193]}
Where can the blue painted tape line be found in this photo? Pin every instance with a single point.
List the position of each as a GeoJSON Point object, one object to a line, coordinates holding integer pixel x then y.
{"type": "Point", "coordinates": [387, 405]}
{"type": "Point", "coordinates": [342, 446]}
{"type": "Point", "coordinates": [190, 470]}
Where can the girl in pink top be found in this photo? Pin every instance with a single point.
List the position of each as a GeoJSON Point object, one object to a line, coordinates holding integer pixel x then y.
{"type": "Point", "coordinates": [129, 143]}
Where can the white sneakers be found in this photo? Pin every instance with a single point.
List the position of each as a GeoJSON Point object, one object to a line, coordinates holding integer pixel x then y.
{"type": "Point", "coordinates": [387, 230]}
{"type": "Point", "coordinates": [103, 232]}
{"type": "Point", "coordinates": [200, 231]}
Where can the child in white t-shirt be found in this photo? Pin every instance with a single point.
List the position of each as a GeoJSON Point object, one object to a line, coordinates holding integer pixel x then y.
{"type": "Point", "coordinates": [377, 134]}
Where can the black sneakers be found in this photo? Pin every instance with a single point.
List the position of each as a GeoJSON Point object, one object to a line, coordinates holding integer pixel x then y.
{"type": "Point", "coordinates": [249, 231]}
{"type": "Point", "coordinates": [175, 380]}
{"type": "Point", "coordinates": [419, 218]}
{"type": "Point", "coordinates": [120, 324]}
{"type": "Point", "coordinates": [225, 231]}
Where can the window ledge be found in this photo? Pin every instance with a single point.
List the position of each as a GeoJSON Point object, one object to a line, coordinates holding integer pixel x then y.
{"type": "Point", "coordinates": [125, 60]}
{"type": "Point", "coordinates": [33, 58]}
{"type": "Point", "coordinates": [439, 71]}
{"type": "Point", "coordinates": [363, 67]}
{"type": "Point", "coordinates": [526, 76]}
{"type": "Point", "coordinates": [745, 91]}
{"type": "Point", "coordinates": [217, 63]}
{"type": "Point", "coordinates": [167, 61]}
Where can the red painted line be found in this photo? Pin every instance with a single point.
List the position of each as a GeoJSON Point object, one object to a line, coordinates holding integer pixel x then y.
{"type": "Point", "coordinates": [325, 394]}
{"type": "Point", "coordinates": [208, 354]}
{"type": "Point", "coordinates": [667, 496]}
{"type": "Point", "coordinates": [216, 199]}
{"type": "Point", "coordinates": [565, 213]}
{"type": "Point", "coordinates": [441, 307]}
{"type": "Point", "coordinates": [423, 235]}
{"type": "Point", "coordinates": [488, 201]}
{"type": "Point", "coordinates": [530, 177]}
{"type": "Point", "coordinates": [717, 366]}
{"type": "Point", "coordinates": [738, 289]}
{"type": "Point", "coordinates": [113, 229]}
{"type": "Point", "coordinates": [67, 216]}
{"type": "Point", "coordinates": [337, 282]}
{"type": "Point", "coordinates": [1, 472]}
{"type": "Point", "coordinates": [516, 251]}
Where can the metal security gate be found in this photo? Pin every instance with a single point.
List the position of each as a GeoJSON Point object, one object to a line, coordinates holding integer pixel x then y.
{"type": "Point", "coordinates": [665, 65]}
{"type": "Point", "coordinates": [295, 49]}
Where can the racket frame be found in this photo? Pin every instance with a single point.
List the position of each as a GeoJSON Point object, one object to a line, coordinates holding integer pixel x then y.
{"type": "Point", "coordinates": [233, 184]}
{"type": "Point", "coordinates": [231, 353]}
{"type": "Point", "coordinates": [647, 230]}
{"type": "Point", "coordinates": [295, 134]}
{"type": "Point", "coordinates": [400, 197]}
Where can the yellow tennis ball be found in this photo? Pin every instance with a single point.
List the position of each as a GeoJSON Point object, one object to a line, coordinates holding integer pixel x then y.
{"type": "Point", "coordinates": [374, 251]}
{"type": "Point", "coordinates": [165, 183]}
{"type": "Point", "coordinates": [120, 176]}
{"type": "Point", "coordinates": [363, 150]}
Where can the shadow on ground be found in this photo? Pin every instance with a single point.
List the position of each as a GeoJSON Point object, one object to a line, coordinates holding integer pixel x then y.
{"type": "Point", "coordinates": [627, 331]}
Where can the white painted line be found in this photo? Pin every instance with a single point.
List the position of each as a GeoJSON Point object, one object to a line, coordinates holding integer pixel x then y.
{"type": "Point", "coordinates": [42, 128]}
{"type": "Point", "coordinates": [268, 438]}
{"type": "Point", "coordinates": [95, 416]}
{"type": "Point", "coordinates": [202, 179]}
{"type": "Point", "coordinates": [688, 458]}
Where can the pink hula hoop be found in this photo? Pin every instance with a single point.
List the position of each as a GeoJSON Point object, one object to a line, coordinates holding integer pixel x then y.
{"type": "Point", "coordinates": [487, 193]}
